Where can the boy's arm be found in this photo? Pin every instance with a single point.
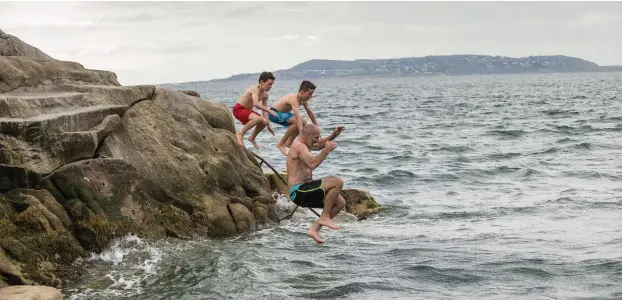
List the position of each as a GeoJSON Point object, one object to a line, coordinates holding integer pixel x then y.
{"type": "Point", "coordinates": [310, 113]}
{"type": "Point", "coordinates": [265, 103]}
{"type": "Point", "coordinates": [297, 114]}
{"type": "Point", "coordinates": [256, 103]}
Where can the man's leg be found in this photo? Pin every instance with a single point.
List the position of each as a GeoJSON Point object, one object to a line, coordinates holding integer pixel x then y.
{"type": "Point", "coordinates": [332, 187]}
{"type": "Point", "coordinates": [314, 233]}
{"type": "Point", "coordinates": [339, 205]}
{"type": "Point", "coordinates": [260, 126]}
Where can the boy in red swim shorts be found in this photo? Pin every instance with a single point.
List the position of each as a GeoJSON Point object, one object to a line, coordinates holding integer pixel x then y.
{"type": "Point", "coordinates": [243, 110]}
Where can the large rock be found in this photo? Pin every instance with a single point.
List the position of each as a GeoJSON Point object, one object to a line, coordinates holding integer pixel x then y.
{"type": "Point", "coordinates": [13, 46]}
{"type": "Point", "coordinates": [360, 203]}
{"type": "Point", "coordinates": [26, 292]}
{"type": "Point", "coordinates": [84, 160]}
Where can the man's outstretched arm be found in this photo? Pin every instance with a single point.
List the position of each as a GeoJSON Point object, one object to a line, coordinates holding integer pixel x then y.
{"type": "Point", "coordinates": [323, 141]}
{"type": "Point", "coordinates": [312, 162]}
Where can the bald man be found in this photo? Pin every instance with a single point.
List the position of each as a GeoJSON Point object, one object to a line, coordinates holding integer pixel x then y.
{"type": "Point", "coordinates": [304, 191]}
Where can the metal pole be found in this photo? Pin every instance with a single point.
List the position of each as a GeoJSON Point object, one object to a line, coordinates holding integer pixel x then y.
{"type": "Point", "coordinates": [284, 182]}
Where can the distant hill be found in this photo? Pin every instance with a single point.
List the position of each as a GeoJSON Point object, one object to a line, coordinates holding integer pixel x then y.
{"type": "Point", "coordinates": [432, 66]}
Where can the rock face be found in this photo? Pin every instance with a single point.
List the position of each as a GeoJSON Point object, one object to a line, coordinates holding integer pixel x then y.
{"type": "Point", "coordinates": [360, 203]}
{"type": "Point", "coordinates": [84, 160]}
{"type": "Point", "coordinates": [12, 46]}
{"type": "Point", "coordinates": [26, 292]}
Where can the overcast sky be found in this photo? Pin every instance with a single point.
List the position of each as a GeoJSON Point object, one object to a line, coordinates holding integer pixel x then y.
{"type": "Point", "coordinates": [162, 42]}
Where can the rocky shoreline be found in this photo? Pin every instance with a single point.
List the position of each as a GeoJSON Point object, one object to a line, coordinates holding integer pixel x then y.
{"type": "Point", "coordinates": [84, 160]}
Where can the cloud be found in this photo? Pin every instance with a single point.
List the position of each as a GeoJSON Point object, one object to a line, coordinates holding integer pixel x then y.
{"type": "Point", "coordinates": [244, 9]}
{"type": "Point", "coordinates": [286, 37]}
{"type": "Point", "coordinates": [426, 28]}
{"type": "Point", "coordinates": [337, 28]}
{"type": "Point", "coordinates": [596, 20]}
{"type": "Point", "coordinates": [312, 37]}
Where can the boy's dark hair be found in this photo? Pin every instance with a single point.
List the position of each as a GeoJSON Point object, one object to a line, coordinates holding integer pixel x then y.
{"type": "Point", "coordinates": [306, 86]}
{"type": "Point", "coordinates": [265, 76]}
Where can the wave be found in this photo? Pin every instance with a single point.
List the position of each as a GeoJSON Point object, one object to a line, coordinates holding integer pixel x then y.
{"type": "Point", "coordinates": [556, 112]}
{"type": "Point", "coordinates": [589, 175]}
{"type": "Point", "coordinates": [585, 145]}
{"type": "Point", "coordinates": [456, 149]}
{"type": "Point", "coordinates": [368, 170]}
{"type": "Point", "coordinates": [565, 140]}
{"type": "Point", "coordinates": [606, 118]}
{"type": "Point", "coordinates": [534, 272]}
{"type": "Point", "coordinates": [509, 133]}
{"type": "Point", "coordinates": [338, 291]}
{"type": "Point", "coordinates": [447, 275]}
{"type": "Point", "coordinates": [581, 203]}
{"type": "Point", "coordinates": [508, 155]}
{"type": "Point", "coordinates": [579, 129]}
{"type": "Point", "coordinates": [479, 214]}
{"type": "Point", "coordinates": [602, 266]}
{"type": "Point", "coordinates": [391, 177]}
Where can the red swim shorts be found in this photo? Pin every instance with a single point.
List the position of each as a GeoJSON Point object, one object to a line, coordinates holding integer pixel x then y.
{"type": "Point", "coordinates": [242, 113]}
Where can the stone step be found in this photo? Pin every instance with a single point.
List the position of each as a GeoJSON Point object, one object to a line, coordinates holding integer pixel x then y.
{"type": "Point", "coordinates": [36, 129]}
{"type": "Point", "coordinates": [121, 95]}
{"type": "Point", "coordinates": [34, 104]}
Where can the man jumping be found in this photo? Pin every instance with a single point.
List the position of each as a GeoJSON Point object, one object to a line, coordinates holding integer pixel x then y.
{"type": "Point", "coordinates": [303, 190]}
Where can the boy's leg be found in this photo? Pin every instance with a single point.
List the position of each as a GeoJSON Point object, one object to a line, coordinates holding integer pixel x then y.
{"type": "Point", "coordinates": [253, 120]}
{"type": "Point", "coordinates": [292, 131]}
{"type": "Point", "coordinates": [289, 135]}
{"type": "Point", "coordinates": [260, 126]}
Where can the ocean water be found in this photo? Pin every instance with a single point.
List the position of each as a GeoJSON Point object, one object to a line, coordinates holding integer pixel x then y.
{"type": "Point", "coordinates": [492, 187]}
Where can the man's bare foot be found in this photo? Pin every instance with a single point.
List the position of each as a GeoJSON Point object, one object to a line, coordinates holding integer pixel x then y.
{"type": "Point", "coordinates": [314, 235]}
{"type": "Point", "coordinates": [283, 149]}
{"type": "Point", "coordinates": [239, 138]}
{"type": "Point", "coordinates": [328, 222]}
{"type": "Point", "coordinates": [253, 142]}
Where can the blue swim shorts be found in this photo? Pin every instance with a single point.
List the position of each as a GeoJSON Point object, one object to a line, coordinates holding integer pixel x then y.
{"type": "Point", "coordinates": [282, 117]}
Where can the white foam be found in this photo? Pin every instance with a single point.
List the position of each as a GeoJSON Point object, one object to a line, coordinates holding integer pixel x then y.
{"type": "Point", "coordinates": [118, 250]}
{"type": "Point", "coordinates": [135, 261]}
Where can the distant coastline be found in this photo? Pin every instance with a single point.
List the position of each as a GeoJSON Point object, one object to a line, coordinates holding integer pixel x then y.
{"type": "Point", "coordinates": [429, 66]}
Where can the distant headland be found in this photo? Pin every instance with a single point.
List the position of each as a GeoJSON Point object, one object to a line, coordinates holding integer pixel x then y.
{"type": "Point", "coordinates": [431, 66]}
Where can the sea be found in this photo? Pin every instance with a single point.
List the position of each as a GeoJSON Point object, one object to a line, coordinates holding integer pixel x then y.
{"type": "Point", "coordinates": [491, 187]}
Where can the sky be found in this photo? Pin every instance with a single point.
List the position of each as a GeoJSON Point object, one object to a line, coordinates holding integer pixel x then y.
{"type": "Point", "coordinates": [168, 42]}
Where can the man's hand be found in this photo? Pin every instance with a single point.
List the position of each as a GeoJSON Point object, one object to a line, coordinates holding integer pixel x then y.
{"type": "Point", "coordinates": [330, 146]}
{"type": "Point", "coordinates": [270, 129]}
{"type": "Point", "coordinates": [337, 131]}
{"type": "Point", "coordinates": [272, 112]}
